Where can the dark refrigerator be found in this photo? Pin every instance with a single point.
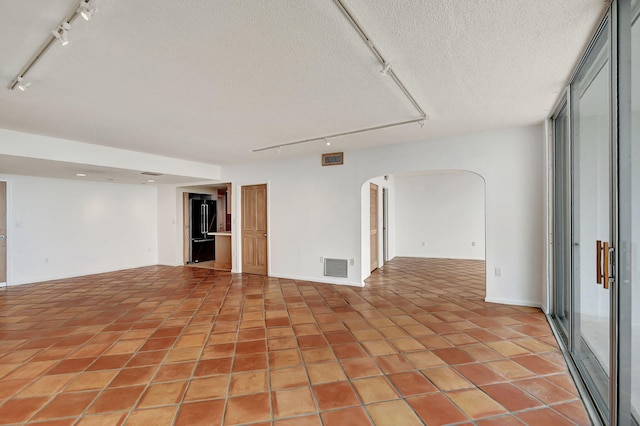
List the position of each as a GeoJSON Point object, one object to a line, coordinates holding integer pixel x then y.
{"type": "Point", "coordinates": [203, 224]}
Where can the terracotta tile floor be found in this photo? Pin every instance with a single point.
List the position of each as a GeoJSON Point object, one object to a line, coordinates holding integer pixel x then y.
{"type": "Point", "coordinates": [190, 346]}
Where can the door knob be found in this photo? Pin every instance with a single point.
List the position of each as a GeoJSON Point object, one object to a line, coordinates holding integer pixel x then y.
{"type": "Point", "coordinates": [2, 237]}
{"type": "Point", "coordinates": [265, 235]}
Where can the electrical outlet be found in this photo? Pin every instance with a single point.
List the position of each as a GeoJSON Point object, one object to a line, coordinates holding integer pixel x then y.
{"type": "Point", "coordinates": [473, 243]}
{"type": "Point", "coordinates": [423, 244]}
{"type": "Point", "coordinates": [352, 262]}
{"type": "Point", "coordinates": [498, 272]}
{"type": "Point", "coordinates": [321, 259]}
{"type": "Point", "coordinates": [46, 260]}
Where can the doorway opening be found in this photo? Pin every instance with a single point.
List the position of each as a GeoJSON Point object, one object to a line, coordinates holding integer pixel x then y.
{"type": "Point", "coordinates": [437, 215]}
{"type": "Point", "coordinates": [206, 226]}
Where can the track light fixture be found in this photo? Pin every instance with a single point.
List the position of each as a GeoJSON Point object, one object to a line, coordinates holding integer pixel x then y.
{"type": "Point", "coordinates": [22, 84]}
{"type": "Point", "coordinates": [61, 33]}
{"type": "Point", "coordinates": [86, 10]}
{"type": "Point", "coordinates": [385, 68]}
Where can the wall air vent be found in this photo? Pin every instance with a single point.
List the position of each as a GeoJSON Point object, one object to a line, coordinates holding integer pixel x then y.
{"type": "Point", "coordinates": [335, 268]}
{"type": "Point", "coordinates": [151, 174]}
{"type": "Point", "coordinates": [333, 159]}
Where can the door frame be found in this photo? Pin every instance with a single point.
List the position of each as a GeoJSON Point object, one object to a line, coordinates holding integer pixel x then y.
{"type": "Point", "coordinates": [385, 225]}
{"type": "Point", "coordinates": [377, 230]}
{"type": "Point", "coordinates": [186, 220]}
{"type": "Point", "coordinates": [9, 234]}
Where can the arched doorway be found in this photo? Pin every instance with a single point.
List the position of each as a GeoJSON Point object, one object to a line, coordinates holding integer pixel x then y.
{"type": "Point", "coordinates": [437, 214]}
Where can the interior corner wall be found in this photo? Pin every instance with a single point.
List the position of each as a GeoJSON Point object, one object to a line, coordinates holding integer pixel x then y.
{"type": "Point", "coordinates": [169, 230]}
{"type": "Point", "coordinates": [316, 211]}
{"type": "Point", "coordinates": [440, 215]}
{"type": "Point", "coordinates": [60, 228]}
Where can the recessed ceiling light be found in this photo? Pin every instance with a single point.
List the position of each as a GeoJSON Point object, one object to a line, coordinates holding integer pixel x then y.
{"type": "Point", "coordinates": [150, 180]}
{"type": "Point", "coordinates": [81, 174]}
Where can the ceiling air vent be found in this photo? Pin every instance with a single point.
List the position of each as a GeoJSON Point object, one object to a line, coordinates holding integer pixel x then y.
{"type": "Point", "coordinates": [335, 268]}
{"type": "Point", "coordinates": [333, 159]}
{"type": "Point", "coordinates": [151, 174]}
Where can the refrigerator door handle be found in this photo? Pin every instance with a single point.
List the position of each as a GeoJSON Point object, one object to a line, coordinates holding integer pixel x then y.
{"type": "Point", "coordinates": [206, 218]}
{"type": "Point", "coordinates": [202, 218]}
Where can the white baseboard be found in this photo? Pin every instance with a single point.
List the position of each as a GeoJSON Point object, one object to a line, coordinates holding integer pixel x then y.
{"type": "Point", "coordinates": [318, 280]}
{"type": "Point", "coordinates": [513, 302]}
{"type": "Point", "coordinates": [55, 277]}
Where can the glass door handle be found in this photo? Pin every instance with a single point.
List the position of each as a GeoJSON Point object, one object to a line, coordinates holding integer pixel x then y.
{"type": "Point", "coordinates": [602, 263]}
{"type": "Point", "coordinates": [599, 262]}
{"type": "Point", "coordinates": [605, 265]}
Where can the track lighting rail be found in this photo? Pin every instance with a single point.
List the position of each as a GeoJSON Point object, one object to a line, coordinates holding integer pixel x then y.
{"type": "Point", "coordinates": [386, 66]}
{"type": "Point", "coordinates": [59, 33]}
{"type": "Point", "coordinates": [386, 70]}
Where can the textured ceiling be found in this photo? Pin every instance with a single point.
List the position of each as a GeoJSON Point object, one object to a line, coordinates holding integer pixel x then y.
{"type": "Point", "coordinates": [211, 80]}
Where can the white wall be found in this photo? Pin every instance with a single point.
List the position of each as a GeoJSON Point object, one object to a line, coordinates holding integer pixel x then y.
{"type": "Point", "coordinates": [61, 228]}
{"type": "Point", "coordinates": [169, 226]}
{"type": "Point", "coordinates": [316, 211]}
{"type": "Point", "coordinates": [310, 215]}
{"type": "Point", "coordinates": [440, 215]}
{"type": "Point", "coordinates": [313, 212]}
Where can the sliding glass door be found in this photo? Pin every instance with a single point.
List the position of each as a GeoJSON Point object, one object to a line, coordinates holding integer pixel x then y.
{"type": "Point", "coordinates": [629, 258]}
{"type": "Point", "coordinates": [596, 241]}
{"type": "Point", "coordinates": [562, 210]}
{"type": "Point", "coordinates": [591, 216]}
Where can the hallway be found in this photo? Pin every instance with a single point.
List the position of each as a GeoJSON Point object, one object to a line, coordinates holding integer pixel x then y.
{"type": "Point", "coordinates": [186, 346]}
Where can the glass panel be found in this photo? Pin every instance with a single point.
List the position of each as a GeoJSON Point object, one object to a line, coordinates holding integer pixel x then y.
{"type": "Point", "coordinates": [591, 216]}
{"type": "Point", "coordinates": [561, 223]}
{"type": "Point", "coordinates": [634, 219]}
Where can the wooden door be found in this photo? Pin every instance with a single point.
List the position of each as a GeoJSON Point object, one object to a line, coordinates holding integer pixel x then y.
{"type": "Point", "coordinates": [373, 225]}
{"type": "Point", "coordinates": [254, 229]}
{"type": "Point", "coordinates": [3, 232]}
